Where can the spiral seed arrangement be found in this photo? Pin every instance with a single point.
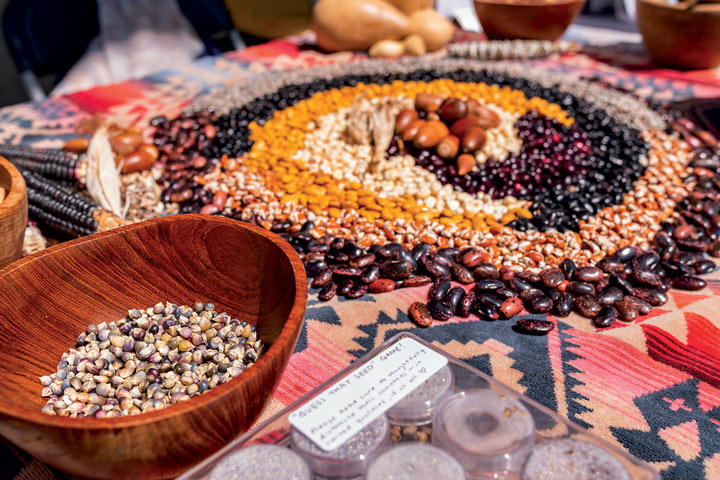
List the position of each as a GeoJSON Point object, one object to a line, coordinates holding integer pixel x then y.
{"type": "Point", "coordinates": [575, 197]}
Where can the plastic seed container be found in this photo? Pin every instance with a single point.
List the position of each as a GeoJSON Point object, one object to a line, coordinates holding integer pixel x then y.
{"type": "Point", "coordinates": [455, 422]}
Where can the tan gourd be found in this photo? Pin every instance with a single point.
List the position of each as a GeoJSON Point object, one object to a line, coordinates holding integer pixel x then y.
{"type": "Point", "coordinates": [436, 30]}
{"type": "Point", "coordinates": [409, 6]}
{"type": "Point", "coordinates": [357, 24]}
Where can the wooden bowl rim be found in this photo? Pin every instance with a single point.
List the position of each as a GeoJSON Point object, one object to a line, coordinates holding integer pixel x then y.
{"type": "Point", "coordinates": [710, 9]}
{"type": "Point", "coordinates": [213, 396]}
{"type": "Point", "coordinates": [14, 198]}
{"type": "Point", "coordinates": [531, 3]}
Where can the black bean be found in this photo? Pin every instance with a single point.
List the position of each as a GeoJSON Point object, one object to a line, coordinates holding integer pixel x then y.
{"type": "Point", "coordinates": [552, 278]}
{"type": "Point", "coordinates": [467, 305]}
{"type": "Point", "coordinates": [528, 295]}
{"type": "Point", "coordinates": [676, 269]}
{"type": "Point", "coordinates": [646, 261]}
{"type": "Point", "coordinates": [627, 310]}
{"type": "Point", "coordinates": [611, 265]}
{"type": "Point", "coordinates": [313, 268]}
{"type": "Point", "coordinates": [344, 285]}
{"type": "Point", "coordinates": [652, 296]}
{"type": "Point", "coordinates": [534, 326]}
{"type": "Point", "coordinates": [609, 296]}
{"type": "Point", "coordinates": [371, 273]}
{"type": "Point", "coordinates": [588, 274]}
{"type": "Point", "coordinates": [506, 292]}
{"type": "Point", "coordinates": [437, 270]}
{"type": "Point", "coordinates": [486, 270]}
{"type": "Point", "coordinates": [454, 297]}
{"type": "Point", "coordinates": [704, 266]}
{"type": "Point", "coordinates": [580, 288]}
{"type": "Point", "coordinates": [328, 291]}
{"type": "Point", "coordinates": [346, 271]}
{"type": "Point", "coordinates": [488, 284]}
{"type": "Point", "coordinates": [462, 274]}
{"type": "Point", "coordinates": [540, 304]}
{"type": "Point", "coordinates": [520, 285]}
{"type": "Point", "coordinates": [489, 299]}
{"type": "Point", "coordinates": [396, 269]}
{"type": "Point", "coordinates": [587, 306]}
{"type": "Point", "coordinates": [403, 254]}
{"type": "Point", "coordinates": [439, 289]}
{"type": "Point", "coordinates": [568, 267]}
{"type": "Point", "coordinates": [564, 305]}
{"type": "Point", "coordinates": [389, 250]}
{"type": "Point", "coordinates": [486, 311]}
{"type": "Point", "coordinates": [322, 278]}
{"type": "Point", "coordinates": [689, 282]}
{"type": "Point", "coordinates": [625, 254]}
{"type": "Point", "coordinates": [646, 278]}
{"type": "Point", "coordinates": [439, 311]}
{"type": "Point", "coordinates": [420, 249]}
{"type": "Point", "coordinates": [622, 284]}
{"type": "Point", "coordinates": [641, 306]}
{"type": "Point", "coordinates": [357, 291]}
{"type": "Point", "coordinates": [449, 252]}
{"type": "Point", "coordinates": [606, 316]}
{"type": "Point", "coordinates": [362, 261]}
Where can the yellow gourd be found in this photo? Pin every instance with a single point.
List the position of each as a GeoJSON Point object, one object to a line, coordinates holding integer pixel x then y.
{"type": "Point", "coordinates": [357, 24]}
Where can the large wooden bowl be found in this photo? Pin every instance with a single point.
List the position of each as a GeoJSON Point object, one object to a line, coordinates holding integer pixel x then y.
{"type": "Point", "coordinates": [680, 38]}
{"type": "Point", "coordinates": [526, 19]}
{"type": "Point", "coordinates": [13, 213]}
{"type": "Point", "coordinates": [49, 298]}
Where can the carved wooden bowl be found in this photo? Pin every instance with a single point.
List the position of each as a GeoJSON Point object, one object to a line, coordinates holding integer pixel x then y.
{"type": "Point", "coordinates": [49, 298]}
{"type": "Point", "coordinates": [526, 19]}
{"type": "Point", "coordinates": [13, 213]}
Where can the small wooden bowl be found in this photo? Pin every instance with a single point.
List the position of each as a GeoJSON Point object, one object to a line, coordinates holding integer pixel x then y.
{"type": "Point", "coordinates": [679, 38]}
{"type": "Point", "coordinates": [13, 213]}
{"type": "Point", "coordinates": [49, 298]}
{"type": "Point", "coordinates": [526, 19]}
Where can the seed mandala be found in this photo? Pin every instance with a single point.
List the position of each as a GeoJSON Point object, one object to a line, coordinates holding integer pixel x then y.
{"type": "Point", "coordinates": [522, 168]}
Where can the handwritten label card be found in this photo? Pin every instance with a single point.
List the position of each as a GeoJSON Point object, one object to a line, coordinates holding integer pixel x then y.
{"type": "Point", "coordinates": [345, 408]}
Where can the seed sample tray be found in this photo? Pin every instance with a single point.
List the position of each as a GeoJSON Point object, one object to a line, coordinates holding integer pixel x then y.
{"type": "Point", "coordinates": [410, 410]}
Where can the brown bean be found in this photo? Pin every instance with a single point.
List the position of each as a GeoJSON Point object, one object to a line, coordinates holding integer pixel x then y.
{"type": "Point", "coordinates": [404, 118]}
{"type": "Point", "coordinates": [412, 129]}
{"type": "Point", "coordinates": [137, 161]}
{"type": "Point", "coordinates": [126, 143]}
{"type": "Point", "coordinates": [428, 102]}
{"type": "Point", "coordinates": [487, 117]}
{"type": "Point", "coordinates": [77, 145]}
{"type": "Point", "coordinates": [430, 134]}
{"type": "Point", "coordinates": [150, 149]}
{"type": "Point", "coordinates": [452, 109]}
{"type": "Point", "coordinates": [448, 147]}
{"type": "Point", "coordinates": [473, 139]}
{"type": "Point", "coordinates": [465, 163]}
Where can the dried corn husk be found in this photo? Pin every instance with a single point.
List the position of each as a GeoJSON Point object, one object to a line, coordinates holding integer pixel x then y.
{"type": "Point", "coordinates": [103, 176]}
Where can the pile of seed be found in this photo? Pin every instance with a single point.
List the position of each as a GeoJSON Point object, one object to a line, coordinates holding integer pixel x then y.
{"type": "Point", "coordinates": [149, 360]}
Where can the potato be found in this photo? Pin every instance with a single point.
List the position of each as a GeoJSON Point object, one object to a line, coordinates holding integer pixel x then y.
{"type": "Point", "coordinates": [409, 6]}
{"type": "Point", "coordinates": [415, 45]}
{"type": "Point", "coordinates": [357, 24]}
{"type": "Point", "coordinates": [436, 30]}
{"type": "Point", "coordinates": [387, 49]}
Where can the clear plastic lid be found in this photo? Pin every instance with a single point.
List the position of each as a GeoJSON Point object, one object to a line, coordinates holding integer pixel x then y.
{"type": "Point", "coordinates": [490, 433]}
{"type": "Point", "coordinates": [263, 462]}
{"type": "Point", "coordinates": [413, 461]}
{"type": "Point", "coordinates": [351, 459]}
{"type": "Point", "coordinates": [576, 459]}
{"type": "Point", "coordinates": [419, 405]}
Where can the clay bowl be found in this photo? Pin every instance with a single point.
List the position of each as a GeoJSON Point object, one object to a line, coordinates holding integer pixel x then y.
{"type": "Point", "coordinates": [679, 38]}
{"type": "Point", "coordinates": [13, 213]}
{"type": "Point", "coordinates": [526, 19]}
{"type": "Point", "coordinates": [49, 298]}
